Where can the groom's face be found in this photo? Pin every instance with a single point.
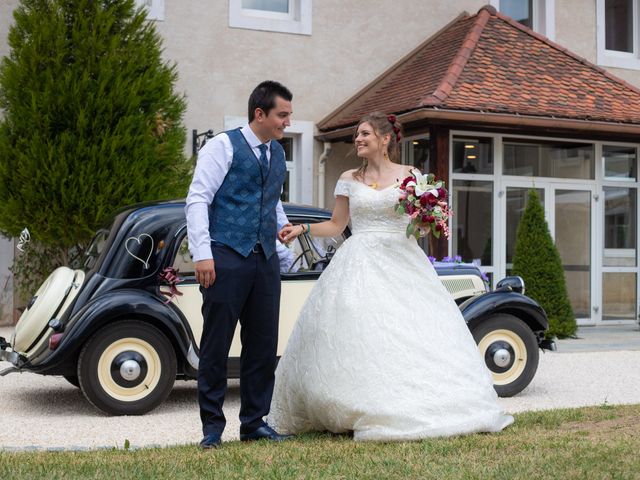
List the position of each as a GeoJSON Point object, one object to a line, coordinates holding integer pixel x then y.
{"type": "Point", "coordinates": [273, 124]}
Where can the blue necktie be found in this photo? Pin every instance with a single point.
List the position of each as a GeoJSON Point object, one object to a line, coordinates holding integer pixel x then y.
{"type": "Point", "coordinates": [264, 163]}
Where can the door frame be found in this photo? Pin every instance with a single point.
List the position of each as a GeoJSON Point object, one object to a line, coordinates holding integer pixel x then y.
{"type": "Point", "coordinates": [550, 186]}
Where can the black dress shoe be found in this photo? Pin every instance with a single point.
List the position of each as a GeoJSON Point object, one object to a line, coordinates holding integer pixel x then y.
{"type": "Point", "coordinates": [212, 440]}
{"type": "Point", "coordinates": [264, 432]}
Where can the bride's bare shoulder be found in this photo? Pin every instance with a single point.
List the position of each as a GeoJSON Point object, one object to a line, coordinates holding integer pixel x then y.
{"type": "Point", "coordinates": [348, 175]}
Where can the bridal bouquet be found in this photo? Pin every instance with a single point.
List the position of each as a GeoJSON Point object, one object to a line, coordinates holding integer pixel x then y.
{"type": "Point", "coordinates": [424, 199]}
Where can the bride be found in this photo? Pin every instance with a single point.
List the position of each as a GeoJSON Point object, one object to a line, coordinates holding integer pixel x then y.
{"type": "Point", "coordinates": [380, 347]}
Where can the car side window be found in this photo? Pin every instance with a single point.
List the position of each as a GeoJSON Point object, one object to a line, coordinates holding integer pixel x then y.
{"type": "Point", "coordinates": [183, 262]}
{"type": "Point", "coordinates": [304, 254]}
{"type": "Point", "coordinates": [308, 253]}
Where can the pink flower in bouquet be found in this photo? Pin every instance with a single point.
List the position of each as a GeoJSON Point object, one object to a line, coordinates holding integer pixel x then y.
{"type": "Point", "coordinates": [424, 199]}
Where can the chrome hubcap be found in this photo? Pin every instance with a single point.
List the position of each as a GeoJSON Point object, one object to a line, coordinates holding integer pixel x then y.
{"type": "Point", "coordinates": [130, 370]}
{"type": "Point", "coordinates": [502, 357]}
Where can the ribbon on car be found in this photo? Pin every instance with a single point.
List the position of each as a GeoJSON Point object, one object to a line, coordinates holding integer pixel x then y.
{"type": "Point", "coordinates": [169, 276]}
{"type": "Point", "coordinates": [25, 237]}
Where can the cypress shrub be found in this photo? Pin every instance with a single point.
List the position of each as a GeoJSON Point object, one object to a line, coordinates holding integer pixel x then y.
{"type": "Point", "coordinates": [90, 122]}
{"type": "Point", "coordinates": [537, 261]}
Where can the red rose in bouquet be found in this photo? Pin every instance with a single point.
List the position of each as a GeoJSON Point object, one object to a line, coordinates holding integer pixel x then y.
{"type": "Point", "coordinates": [424, 199]}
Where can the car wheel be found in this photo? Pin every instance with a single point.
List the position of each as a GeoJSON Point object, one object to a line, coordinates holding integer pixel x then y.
{"type": "Point", "coordinates": [127, 368]}
{"type": "Point", "coordinates": [72, 379]}
{"type": "Point", "coordinates": [510, 351]}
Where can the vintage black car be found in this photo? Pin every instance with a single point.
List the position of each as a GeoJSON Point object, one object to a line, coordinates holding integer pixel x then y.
{"type": "Point", "coordinates": [125, 326]}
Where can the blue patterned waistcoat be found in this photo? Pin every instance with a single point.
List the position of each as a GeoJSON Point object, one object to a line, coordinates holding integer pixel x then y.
{"type": "Point", "coordinates": [243, 211]}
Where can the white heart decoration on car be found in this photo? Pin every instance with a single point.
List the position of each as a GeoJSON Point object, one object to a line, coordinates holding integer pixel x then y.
{"type": "Point", "coordinates": [138, 239]}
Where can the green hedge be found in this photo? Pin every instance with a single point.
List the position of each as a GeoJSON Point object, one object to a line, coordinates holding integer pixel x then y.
{"type": "Point", "coordinates": [90, 122]}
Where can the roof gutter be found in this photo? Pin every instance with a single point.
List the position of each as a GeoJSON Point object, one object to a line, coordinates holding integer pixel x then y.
{"type": "Point", "coordinates": [497, 119]}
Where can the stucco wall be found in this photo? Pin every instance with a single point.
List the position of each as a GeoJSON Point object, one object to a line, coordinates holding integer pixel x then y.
{"type": "Point", "coordinates": [576, 30]}
{"type": "Point", "coordinates": [576, 27]}
{"type": "Point", "coordinates": [6, 246]}
{"type": "Point", "coordinates": [351, 43]}
{"type": "Point", "coordinates": [342, 158]}
{"type": "Point", "coordinates": [6, 19]}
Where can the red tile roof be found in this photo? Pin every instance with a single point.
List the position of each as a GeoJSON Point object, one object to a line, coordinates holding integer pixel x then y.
{"type": "Point", "coordinates": [489, 63]}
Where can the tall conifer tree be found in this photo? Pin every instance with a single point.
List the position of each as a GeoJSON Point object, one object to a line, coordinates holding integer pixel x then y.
{"type": "Point", "coordinates": [90, 122]}
{"type": "Point", "coordinates": [537, 260]}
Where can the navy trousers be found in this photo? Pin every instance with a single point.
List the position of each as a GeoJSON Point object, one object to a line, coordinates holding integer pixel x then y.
{"type": "Point", "coordinates": [245, 289]}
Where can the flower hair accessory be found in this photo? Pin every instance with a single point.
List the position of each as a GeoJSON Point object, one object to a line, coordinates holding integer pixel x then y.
{"type": "Point", "coordinates": [392, 120]}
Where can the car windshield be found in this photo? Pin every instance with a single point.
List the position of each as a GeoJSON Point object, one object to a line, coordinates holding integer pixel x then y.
{"type": "Point", "coordinates": [95, 248]}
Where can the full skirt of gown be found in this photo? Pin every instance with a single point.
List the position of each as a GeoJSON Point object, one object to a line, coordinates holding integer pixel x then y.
{"type": "Point", "coordinates": [380, 348]}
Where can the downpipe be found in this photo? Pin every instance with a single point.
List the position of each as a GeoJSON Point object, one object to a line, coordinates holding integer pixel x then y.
{"type": "Point", "coordinates": [321, 172]}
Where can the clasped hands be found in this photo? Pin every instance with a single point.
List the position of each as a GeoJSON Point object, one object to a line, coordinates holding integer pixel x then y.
{"type": "Point", "coordinates": [205, 270]}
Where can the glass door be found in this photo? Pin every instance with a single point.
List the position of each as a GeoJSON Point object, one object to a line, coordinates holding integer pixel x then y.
{"type": "Point", "coordinates": [570, 216]}
{"type": "Point", "coordinates": [516, 202]}
{"type": "Point", "coordinates": [574, 234]}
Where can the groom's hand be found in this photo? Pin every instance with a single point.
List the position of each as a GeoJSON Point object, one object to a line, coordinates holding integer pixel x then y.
{"type": "Point", "coordinates": [281, 233]}
{"type": "Point", "coordinates": [205, 272]}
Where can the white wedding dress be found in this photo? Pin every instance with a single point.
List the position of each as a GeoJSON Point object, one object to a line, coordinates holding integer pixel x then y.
{"type": "Point", "coordinates": [380, 348]}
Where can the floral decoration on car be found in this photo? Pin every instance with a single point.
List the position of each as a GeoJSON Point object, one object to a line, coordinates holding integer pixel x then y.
{"type": "Point", "coordinates": [169, 276]}
{"type": "Point", "coordinates": [457, 259]}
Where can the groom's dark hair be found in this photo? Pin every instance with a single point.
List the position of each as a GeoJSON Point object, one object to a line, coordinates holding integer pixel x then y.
{"type": "Point", "coordinates": [264, 97]}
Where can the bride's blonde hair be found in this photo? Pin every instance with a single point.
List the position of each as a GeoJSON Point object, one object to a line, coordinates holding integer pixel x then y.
{"type": "Point", "coordinates": [382, 125]}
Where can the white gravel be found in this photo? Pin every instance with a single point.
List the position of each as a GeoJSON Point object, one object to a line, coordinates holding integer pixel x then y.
{"type": "Point", "coordinates": [48, 413]}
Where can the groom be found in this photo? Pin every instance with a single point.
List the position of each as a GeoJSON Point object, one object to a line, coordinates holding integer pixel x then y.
{"type": "Point", "coordinates": [233, 214]}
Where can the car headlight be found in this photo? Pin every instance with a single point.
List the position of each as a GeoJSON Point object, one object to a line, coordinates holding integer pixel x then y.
{"type": "Point", "coordinates": [514, 283]}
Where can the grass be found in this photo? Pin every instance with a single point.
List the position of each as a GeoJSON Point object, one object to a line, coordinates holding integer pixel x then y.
{"type": "Point", "coordinates": [587, 443]}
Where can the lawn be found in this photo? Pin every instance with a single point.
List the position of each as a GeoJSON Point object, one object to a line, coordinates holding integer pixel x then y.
{"type": "Point", "coordinates": [586, 443]}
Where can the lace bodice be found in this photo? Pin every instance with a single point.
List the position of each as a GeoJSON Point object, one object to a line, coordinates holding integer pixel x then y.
{"type": "Point", "coordinates": [372, 210]}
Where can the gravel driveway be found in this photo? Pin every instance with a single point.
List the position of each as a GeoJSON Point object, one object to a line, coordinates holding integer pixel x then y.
{"type": "Point", "coordinates": [48, 413]}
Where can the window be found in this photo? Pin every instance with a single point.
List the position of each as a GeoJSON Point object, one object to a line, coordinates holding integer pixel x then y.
{"type": "Point", "coordinates": [155, 8]}
{"type": "Point", "coordinates": [521, 11]}
{"type": "Point", "coordinates": [618, 25]}
{"type": "Point", "coordinates": [539, 15]}
{"type": "Point", "coordinates": [619, 227]}
{"type": "Point", "coordinates": [287, 16]}
{"type": "Point", "coordinates": [472, 155]}
{"type": "Point", "coordinates": [548, 158]}
{"type": "Point", "coordinates": [472, 224]}
{"type": "Point", "coordinates": [617, 30]}
{"type": "Point", "coordinates": [619, 296]}
{"type": "Point", "coordinates": [619, 162]}
{"type": "Point", "coordinates": [288, 190]}
{"type": "Point", "coordinates": [304, 254]}
{"type": "Point", "coordinates": [416, 152]}
{"type": "Point", "coordinates": [283, 9]}
{"type": "Point", "coordinates": [298, 146]}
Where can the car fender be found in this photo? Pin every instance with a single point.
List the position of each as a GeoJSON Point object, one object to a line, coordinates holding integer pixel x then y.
{"type": "Point", "coordinates": [110, 307]}
{"type": "Point", "coordinates": [476, 309]}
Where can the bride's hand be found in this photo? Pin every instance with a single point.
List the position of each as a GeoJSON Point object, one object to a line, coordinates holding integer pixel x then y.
{"type": "Point", "coordinates": [289, 232]}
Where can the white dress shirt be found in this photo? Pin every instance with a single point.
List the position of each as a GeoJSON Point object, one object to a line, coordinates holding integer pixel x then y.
{"type": "Point", "coordinates": [214, 162]}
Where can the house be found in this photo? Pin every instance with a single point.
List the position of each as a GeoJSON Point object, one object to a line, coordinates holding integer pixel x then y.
{"type": "Point", "coordinates": [510, 96]}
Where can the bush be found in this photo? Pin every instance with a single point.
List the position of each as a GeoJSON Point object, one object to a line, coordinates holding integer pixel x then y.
{"type": "Point", "coordinates": [90, 123]}
{"type": "Point", "coordinates": [537, 261]}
